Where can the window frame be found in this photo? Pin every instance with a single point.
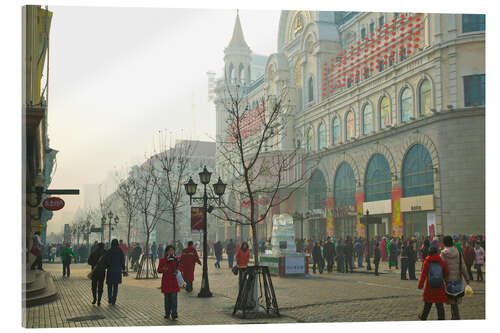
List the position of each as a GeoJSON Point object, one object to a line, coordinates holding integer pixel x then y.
{"type": "Point", "coordinates": [481, 90]}
{"type": "Point", "coordinates": [402, 99]}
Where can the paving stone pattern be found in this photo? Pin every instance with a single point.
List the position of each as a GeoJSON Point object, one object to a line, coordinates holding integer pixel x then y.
{"type": "Point", "coordinates": [327, 297]}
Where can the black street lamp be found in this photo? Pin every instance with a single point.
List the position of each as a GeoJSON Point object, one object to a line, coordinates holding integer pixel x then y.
{"type": "Point", "coordinates": [219, 189]}
{"type": "Point", "coordinates": [109, 224]}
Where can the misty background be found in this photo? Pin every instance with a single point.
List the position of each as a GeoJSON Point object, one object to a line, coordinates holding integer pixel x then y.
{"type": "Point", "coordinates": [119, 75]}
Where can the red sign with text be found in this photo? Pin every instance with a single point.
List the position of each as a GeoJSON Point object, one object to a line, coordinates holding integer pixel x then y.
{"type": "Point", "coordinates": [53, 203]}
{"type": "Point", "coordinates": [197, 218]}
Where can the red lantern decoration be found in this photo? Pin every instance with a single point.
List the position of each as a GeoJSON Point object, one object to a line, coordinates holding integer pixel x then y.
{"type": "Point", "coordinates": [385, 62]}
{"type": "Point", "coordinates": [416, 46]}
{"type": "Point", "coordinates": [409, 52]}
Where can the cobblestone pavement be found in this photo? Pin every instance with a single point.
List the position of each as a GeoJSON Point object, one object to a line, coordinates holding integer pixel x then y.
{"type": "Point", "coordinates": [327, 297]}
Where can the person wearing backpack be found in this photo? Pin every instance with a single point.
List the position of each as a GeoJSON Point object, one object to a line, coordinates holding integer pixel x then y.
{"type": "Point", "coordinates": [434, 270]}
{"type": "Point", "coordinates": [456, 265]}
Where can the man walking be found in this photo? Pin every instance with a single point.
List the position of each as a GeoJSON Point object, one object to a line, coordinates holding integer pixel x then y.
{"type": "Point", "coordinates": [317, 258]}
{"type": "Point", "coordinates": [412, 259]}
{"type": "Point", "coordinates": [358, 247]}
{"type": "Point", "coordinates": [329, 255]}
{"type": "Point", "coordinates": [189, 257]}
{"type": "Point", "coordinates": [404, 260]}
{"type": "Point", "coordinates": [218, 253]}
{"type": "Point", "coordinates": [66, 255]}
{"type": "Point", "coordinates": [348, 253]}
{"type": "Point", "coordinates": [154, 252]}
{"type": "Point", "coordinates": [230, 253]}
{"type": "Point", "coordinates": [376, 257]}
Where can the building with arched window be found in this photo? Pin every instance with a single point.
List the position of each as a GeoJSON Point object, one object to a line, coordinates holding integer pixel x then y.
{"type": "Point", "coordinates": [399, 131]}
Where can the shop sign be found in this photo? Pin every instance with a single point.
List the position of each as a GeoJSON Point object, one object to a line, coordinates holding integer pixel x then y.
{"type": "Point", "coordinates": [294, 265]}
{"type": "Point", "coordinates": [53, 203]}
{"type": "Point", "coordinates": [377, 207]}
{"type": "Point", "coordinates": [344, 211]}
{"type": "Point", "coordinates": [417, 204]}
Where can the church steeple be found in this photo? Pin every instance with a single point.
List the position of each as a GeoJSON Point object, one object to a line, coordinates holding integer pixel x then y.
{"type": "Point", "coordinates": [238, 40]}
{"type": "Point", "coordinates": [238, 56]}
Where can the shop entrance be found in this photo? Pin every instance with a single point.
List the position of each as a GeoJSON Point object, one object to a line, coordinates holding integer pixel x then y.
{"type": "Point", "coordinates": [415, 224]}
{"type": "Point", "coordinates": [345, 226]}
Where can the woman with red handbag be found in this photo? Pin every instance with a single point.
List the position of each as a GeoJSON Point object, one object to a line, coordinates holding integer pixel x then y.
{"type": "Point", "coordinates": [36, 250]}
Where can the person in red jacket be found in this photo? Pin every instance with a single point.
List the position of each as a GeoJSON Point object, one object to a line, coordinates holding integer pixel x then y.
{"type": "Point", "coordinates": [432, 295]}
{"type": "Point", "coordinates": [169, 265]}
{"type": "Point", "coordinates": [189, 257]}
{"type": "Point", "coordinates": [242, 259]}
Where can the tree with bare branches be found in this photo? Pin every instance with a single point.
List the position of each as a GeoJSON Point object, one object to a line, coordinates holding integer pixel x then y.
{"type": "Point", "coordinates": [151, 206]}
{"type": "Point", "coordinates": [174, 161]}
{"type": "Point", "coordinates": [127, 192]}
{"type": "Point", "coordinates": [262, 166]}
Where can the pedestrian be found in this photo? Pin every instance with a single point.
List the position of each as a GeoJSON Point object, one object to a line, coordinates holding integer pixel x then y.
{"type": "Point", "coordinates": [189, 257]}
{"type": "Point", "coordinates": [431, 279]}
{"type": "Point", "coordinates": [218, 253]}
{"type": "Point", "coordinates": [383, 249]}
{"type": "Point", "coordinates": [469, 258]}
{"type": "Point", "coordinates": [391, 250]}
{"type": "Point", "coordinates": [367, 253]}
{"type": "Point", "coordinates": [376, 257]}
{"type": "Point", "coordinates": [136, 254]}
{"type": "Point", "coordinates": [242, 259]}
{"type": "Point", "coordinates": [115, 264]}
{"type": "Point", "coordinates": [53, 251]}
{"type": "Point", "coordinates": [154, 252]}
{"type": "Point", "coordinates": [404, 260]}
{"type": "Point", "coordinates": [66, 255]}
{"type": "Point", "coordinates": [348, 255]}
{"type": "Point", "coordinates": [36, 250]}
{"type": "Point", "coordinates": [478, 261]}
{"type": "Point", "coordinates": [340, 256]}
{"type": "Point", "coordinates": [456, 266]}
{"type": "Point", "coordinates": [96, 260]}
{"type": "Point", "coordinates": [412, 259]}
{"type": "Point", "coordinates": [358, 248]}
{"type": "Point", "coordinates": [329, 253]}
{"type": "Point", "coordinates": [160, 251]}
{"type": "Point", "coordinates": [317, 258]}
{"type": "Point", "coordinates": [168, 266]}
{"type": "Point", "coordinates": [230, 253]}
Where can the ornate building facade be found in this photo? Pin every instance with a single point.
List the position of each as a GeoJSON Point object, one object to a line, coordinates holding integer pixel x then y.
{"type": "Point", "coordinates": [393, 104]}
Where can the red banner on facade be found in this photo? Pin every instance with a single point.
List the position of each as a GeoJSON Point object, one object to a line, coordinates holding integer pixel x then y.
{"type": "Point", "coordinates": [197, 218]}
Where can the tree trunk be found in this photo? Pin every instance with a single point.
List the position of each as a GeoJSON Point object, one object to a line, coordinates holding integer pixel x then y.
{"type": "Point", "coordinates": [173, 226]}
{"type": "Point", "coordinates": [128, 239]}
{"type": "Point", "coordinates": [255, 243]}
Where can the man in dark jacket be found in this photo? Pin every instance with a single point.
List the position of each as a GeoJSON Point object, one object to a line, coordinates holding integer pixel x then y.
{"type": "Point", "coordinates": [218, 253]}
{"type": "Point", "coordinates": [115, 263]}
{"type": "Point", "coordinates": [376, 257]}
{"type": "Point", "coordinates": [404, 260]}
{"type": "Point", "coordinates": [358, 247]}
{"type": "Point", "coordinates": [96, 260]}
{"type": "Point", "coordinates": [348, 253]}
{"type": "Point", "coordinates": [317, 258]}
{"type": "Point", "coordinates": [412, 259]}
{"type": "Point", "coordinates": [230, 253]}
{"type": "Point", "coordinates": [329, 253]}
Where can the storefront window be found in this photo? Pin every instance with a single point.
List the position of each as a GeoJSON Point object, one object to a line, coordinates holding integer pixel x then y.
{"type": "Point", "coordinates": [367, 119]}
{"type": "Point", "coordinates": [418, 174]}
{"type": "Point", "coordinates": [378, 181]}
{"type": "Point", "coordinates": [385, 112]}
{"type": "Point", "coordinates": [425, 98]}
{"type": "Point", "coordinates": [345, 186]}
{"type": "Point", "coordinates": [350, 126]}
{"type": "Point", "coordinates": [317, 190]}
{"type": "Point", "coordinates": [406, 105]}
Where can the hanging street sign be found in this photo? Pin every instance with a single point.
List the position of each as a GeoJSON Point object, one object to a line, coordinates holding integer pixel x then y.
{"type": "Point", "coordinates": [53, 203]}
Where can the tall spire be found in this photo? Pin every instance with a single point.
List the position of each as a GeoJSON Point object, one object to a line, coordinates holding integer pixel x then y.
{"type": "Point", "coordinates": [237, 40]}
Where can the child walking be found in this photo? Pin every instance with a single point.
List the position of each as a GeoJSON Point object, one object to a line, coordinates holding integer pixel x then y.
{"type": "Point", "coordinates": [434, 270]}
{"type": "Point", "coordinates": [169, 265]}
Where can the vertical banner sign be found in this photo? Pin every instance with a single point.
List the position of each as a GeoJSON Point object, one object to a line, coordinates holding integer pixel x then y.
{"type": "Point", "coordinates": [329, 217]}
{"type": "Point", "coordinates": [360, 228]}
{"type": "Point", "coordinates": [397, 221]}
{"type": "Point", "coordinates": [431, 224]}
{"type": "Point", "coordinates": [197, 218]}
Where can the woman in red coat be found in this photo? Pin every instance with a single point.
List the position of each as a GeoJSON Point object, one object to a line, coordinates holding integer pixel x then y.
{"type": "Point", "coordinates": [433, 295]}
{"type": "Point", "coordinates": [169, 287]}
{"type": "Point", "coordinates": [189, 257]}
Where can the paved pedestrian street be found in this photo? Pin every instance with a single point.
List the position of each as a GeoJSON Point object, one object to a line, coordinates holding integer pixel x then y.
{"type": "Point", "coordinates": [327, 297]}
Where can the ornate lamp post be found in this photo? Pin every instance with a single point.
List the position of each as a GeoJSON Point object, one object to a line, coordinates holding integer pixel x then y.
{"type": "Point", "coordinates": [219, 189]}
{"type": "Point", "coordinates": [109, 224]}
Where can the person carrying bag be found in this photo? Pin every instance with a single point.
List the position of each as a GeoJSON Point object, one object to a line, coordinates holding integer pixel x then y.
{"type": "Point", "coordinates": [455, 288]}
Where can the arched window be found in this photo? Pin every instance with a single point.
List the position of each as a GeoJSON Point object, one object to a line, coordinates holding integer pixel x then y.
{"type": "Point", "coordinates": [385, 112]}
{"type": "Point", "coordinates": [310, 140]}
{"type": "Point", "coordinates": [241, 72]}
{"type": "Point", "coordinates": [230, 73]}
{"type": "Point", "coordinates": [367, 119]}
{"type": "Point", "coordinates": [336, 131]}
{"type": "Point", "coordinates": [317, 190]}
{"type": "Point", "coordinates": [310, 88]}
{"type": "Point", "coordinates": [321, 136]}
{"type": "Point", "coordinates": [345, 186]}
{"type": "Point", "coordinates": [406, 105]}
{"type": "Point", "coordinates": [418, 175]}
{"type": "Point", "coordinates": [424, 98]}
{"type": "Point", "coordinates": [350, 128]}
{"type": "Point", "coordinates": [378, 179]}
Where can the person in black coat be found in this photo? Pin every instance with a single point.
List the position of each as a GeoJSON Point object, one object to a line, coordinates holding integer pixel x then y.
{"type": "Point", "coordinates": [115, 264]}
{"type": "Point", "coordinates": [98, 272]}
{"type": "Point", "coordinates": [412, 259]}
{"type": "Point", "coordinates": [376, 257]}
{"type": "Point", "coordinates": [329, 253]}
{"type": "Point", "coordinates": [348, 253]}
{"type": "Point", "coordinates": [317, 258]}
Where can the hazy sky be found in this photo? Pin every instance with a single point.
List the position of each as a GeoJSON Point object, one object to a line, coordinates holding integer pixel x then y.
{"type": "Point", "coordinates": [118, 75]}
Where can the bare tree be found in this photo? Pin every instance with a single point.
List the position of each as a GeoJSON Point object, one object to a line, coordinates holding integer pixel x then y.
{"type": "Point", "coordinates": [127, 192]}
{"type": "Point", "coordinates": [174, 162]}
{"type": "Point", "coordinates": [150, 205]}
{"type": "Point", "coordinates": [264, 165]}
